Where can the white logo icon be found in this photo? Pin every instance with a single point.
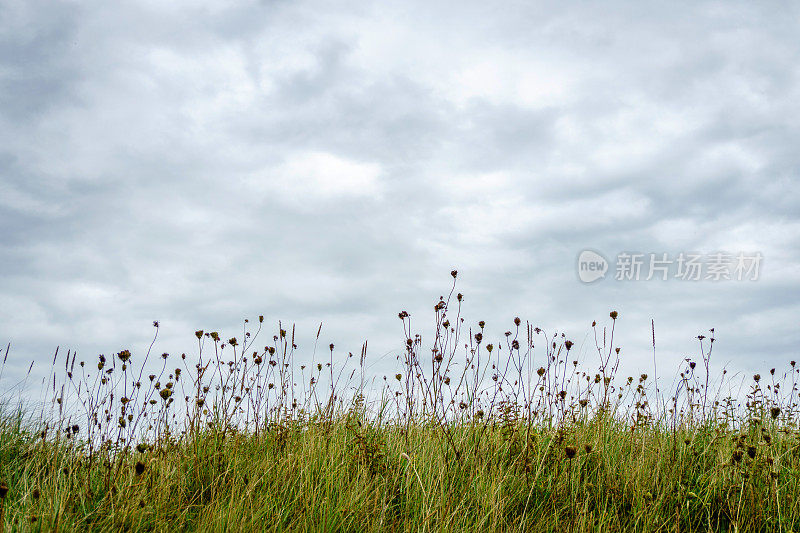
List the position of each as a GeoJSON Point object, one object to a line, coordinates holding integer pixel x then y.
{"type": "Point", "coordinates": [591, 266]}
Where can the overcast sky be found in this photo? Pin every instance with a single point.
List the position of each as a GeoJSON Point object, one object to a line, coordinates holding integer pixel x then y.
{"type": "Point", "coordinates": [199, 163]}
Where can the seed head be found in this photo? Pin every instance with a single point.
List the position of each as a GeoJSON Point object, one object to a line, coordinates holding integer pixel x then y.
{"type": "Point", "coordinates": [570, 451]}
{"type": "Point", "coordinates": [139, 468]}
{"type": "Point", "coordinates": [613, 315]}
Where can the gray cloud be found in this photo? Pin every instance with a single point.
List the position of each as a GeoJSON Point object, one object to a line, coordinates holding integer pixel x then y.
{"type": "Point", "coordinates": [198, 164]}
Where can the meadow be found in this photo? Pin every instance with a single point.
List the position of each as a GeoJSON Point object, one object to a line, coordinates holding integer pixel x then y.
{"type": "Point", "coordinates": [466, 435]}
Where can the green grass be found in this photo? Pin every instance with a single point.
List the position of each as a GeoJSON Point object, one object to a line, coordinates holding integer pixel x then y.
{"type": "Point", "coordinates": [463, 438]}
{"type": "Point", "coordinates": [348, 475]}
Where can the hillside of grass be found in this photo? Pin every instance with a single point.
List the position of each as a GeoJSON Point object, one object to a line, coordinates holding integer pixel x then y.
{"type": "Point", "coordinates": [467, 435]}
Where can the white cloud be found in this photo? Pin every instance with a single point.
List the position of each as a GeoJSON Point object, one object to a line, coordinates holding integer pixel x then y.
{"type": "Point", "coordinates": [199, 164]}
{"type": "Point", "coordinates": [317, 177]}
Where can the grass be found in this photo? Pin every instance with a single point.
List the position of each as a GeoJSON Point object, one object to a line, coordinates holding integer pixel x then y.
{"type": "Point", "coordinates": [466, 436]}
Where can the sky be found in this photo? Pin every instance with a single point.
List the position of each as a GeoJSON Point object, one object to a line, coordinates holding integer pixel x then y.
{"type": "Point", "coordinates": [199, 163]}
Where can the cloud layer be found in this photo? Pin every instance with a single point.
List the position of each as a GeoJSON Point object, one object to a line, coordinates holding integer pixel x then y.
{"type": "Point", "coordinates": [200, 163]}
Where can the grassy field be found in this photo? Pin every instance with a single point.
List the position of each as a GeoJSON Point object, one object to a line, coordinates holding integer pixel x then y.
{"type": "Point", "coordinates": [467, 435]}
